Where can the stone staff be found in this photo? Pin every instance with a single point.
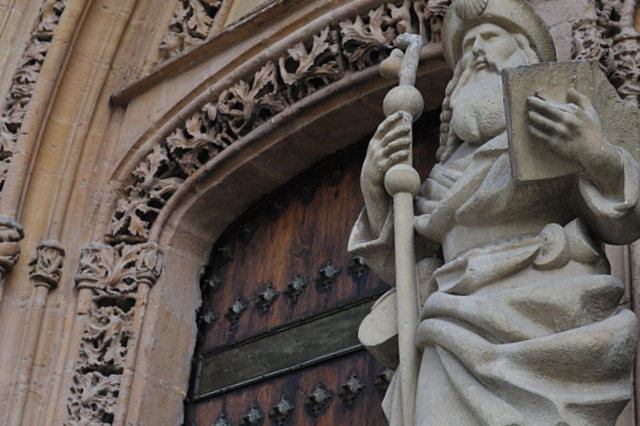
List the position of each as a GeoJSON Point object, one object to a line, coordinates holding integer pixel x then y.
{"type": "Point", "coordinates": [402, 182]}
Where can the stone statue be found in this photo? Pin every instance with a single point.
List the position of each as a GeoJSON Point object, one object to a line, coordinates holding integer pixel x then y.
{"type": "Point", "coordinates": [520, 321]}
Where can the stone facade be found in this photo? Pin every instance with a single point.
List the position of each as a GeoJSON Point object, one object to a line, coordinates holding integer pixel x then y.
{"type": "Point", "coordinates": [134, 132]}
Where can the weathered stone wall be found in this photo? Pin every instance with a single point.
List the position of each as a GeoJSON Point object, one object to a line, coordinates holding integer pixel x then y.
{"type": "Point", "coordinates": [134, 131]}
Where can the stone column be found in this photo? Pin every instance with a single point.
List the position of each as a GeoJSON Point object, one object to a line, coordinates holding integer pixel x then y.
{"type": "Point", "coordinates": [44, 273]}
{"type": "Point", "coordinates": [113, 284]}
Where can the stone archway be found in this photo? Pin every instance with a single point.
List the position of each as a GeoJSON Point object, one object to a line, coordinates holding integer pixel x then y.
{"type": "Point", "coordinates": [184, 181]}
{"type": "Point", "coordinates": [197, 221]}
{"type": "Point", "coordinates": [179, 187]}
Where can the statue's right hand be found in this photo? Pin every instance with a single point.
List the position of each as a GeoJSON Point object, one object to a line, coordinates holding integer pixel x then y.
{"type": "Point", "coordinates": [390, 145]}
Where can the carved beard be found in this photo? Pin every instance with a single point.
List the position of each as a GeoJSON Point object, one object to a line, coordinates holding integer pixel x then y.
{"type": "Point", "coordinates": [478, 106]}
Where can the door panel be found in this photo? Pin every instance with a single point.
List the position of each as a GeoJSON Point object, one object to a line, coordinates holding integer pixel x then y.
{"type": "Point", "coordinates": [296, 232]}
{"type": "Point", "coordinates": [297, 388]}
{"type": "Point", "coordinates": [282, 300]}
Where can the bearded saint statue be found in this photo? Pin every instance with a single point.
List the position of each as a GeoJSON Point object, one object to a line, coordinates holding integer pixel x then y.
{"type": "Point", "coordinates": [520, 321]}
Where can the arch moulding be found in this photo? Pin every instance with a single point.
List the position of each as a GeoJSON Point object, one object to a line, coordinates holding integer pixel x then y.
{"type": "Point", "coordinates": [237, 136]}
{"type": "Point", "coordinates": [221, 148]}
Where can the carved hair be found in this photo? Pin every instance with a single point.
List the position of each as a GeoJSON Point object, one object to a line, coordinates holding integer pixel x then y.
{"type": "Point", "coordinates": [449, 141]}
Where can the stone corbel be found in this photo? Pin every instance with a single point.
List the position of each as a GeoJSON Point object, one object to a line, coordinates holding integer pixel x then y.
{"type": "Point", "coordinates": [45, 268]}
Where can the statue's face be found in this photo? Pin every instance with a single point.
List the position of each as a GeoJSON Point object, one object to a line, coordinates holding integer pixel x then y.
{"type": "Point", "coordinates": [488, 46]}
{"type": "Point", "coordinates": [477, 104]}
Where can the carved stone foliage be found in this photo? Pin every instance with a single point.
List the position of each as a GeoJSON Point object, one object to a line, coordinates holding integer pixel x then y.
{"type": "Point", "coordinates": [366, 39]}
{"type": "Point", "coordinates": [190, 25]}
{"type": "Point", "coordinates": [114, 275]}
{"type": "Point", "coordinates": [45, 267]}
{"type": "Point", "coordinates": [311, 65]}
{"type": "Point", "coordinates": [431, 15]}
{"type": "Point", "coordinates": [103, 349]}
{"type": "Point", "coordinates": [308, 66]}
{"type": "Point", "coordinates": [610, 38]}
{"type": "Point", "coordinates": [94, 399]}
{"type": "Point", "coordinates": [10, 235]}
{"type": "Point", "coordinates": [25, 79]}
{"type": "Point", "coordinates": [118, 271]}
{"type": "Point", "coordinates": [97, 379]}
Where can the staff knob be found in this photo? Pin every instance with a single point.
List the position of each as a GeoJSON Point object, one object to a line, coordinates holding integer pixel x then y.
{"type": "Point", "coordinates": [390, 67]}
{"type": "Point", "coordinates": [402, 178]}
{"type": "Point", "coordinates": [405, 40]}
{"type": "Point", "coordinates": [403, 98]}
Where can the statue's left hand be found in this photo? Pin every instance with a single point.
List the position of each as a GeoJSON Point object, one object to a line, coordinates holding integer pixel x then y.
{"type": "Point", "coordinates": [573, 130]}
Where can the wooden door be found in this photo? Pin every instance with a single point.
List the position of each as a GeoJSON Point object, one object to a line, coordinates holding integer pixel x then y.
{"type": "Point", "coordinates": [282, 301]}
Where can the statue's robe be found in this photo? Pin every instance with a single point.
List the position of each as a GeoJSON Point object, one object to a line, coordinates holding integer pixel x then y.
{"type": "Point", "coordinates": [522, 323]}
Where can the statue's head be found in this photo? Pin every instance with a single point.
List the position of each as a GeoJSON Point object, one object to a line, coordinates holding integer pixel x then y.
{"type": "Point", "coordinates": [514, 16]}
{"type": "Point", "coordinates": [480, 39]}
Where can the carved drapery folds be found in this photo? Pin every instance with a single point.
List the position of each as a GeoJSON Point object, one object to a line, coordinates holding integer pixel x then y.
{"type": "Point", "coordinates": [312, 64]}
{"type": "Point", "coordinates": [190, 25]}
{"type": "Point", "coordinates": [610, 38]}
{"type": "Point", "coordinates": [114, 275]}
{"type": "Point", "coordinates": [25, 80]}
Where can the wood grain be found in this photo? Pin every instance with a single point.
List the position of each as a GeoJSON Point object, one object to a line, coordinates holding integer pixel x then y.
{"type": "Point", "coordinates": [295, 231]}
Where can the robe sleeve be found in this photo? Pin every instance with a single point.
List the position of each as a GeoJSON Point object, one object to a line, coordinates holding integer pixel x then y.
{"type": "Point", "coordinates": [614, 219]}
{"type": "Point", "coordinates": [378, 252]}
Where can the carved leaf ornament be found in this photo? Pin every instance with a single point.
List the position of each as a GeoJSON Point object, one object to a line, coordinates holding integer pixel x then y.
{"type": "Point", "coordinates": [102, 344]}
{"type": "Point", "coordinates": [46, 266]}
{"type": "Point", "coordinates": [304, 69]}
{"type": "Point", "coordinates": [310, 65]}
{"type": "Point", "coordinates": [610, 38]}
{"type": "Point", "coordinates": [190, 25]}
{"type": "Point", "coordinates": [324, 58]}
{"type": "Point", "coordinates": [25, 80]}
{"type": "Point", "coordinates": [114, 274]}
{"type": "Point", "coordinates": [246, 105]}
{"type": "Point", "coordinates": [365, 40]}
{"type": "Point", "coordinates": [96, 396]}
